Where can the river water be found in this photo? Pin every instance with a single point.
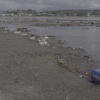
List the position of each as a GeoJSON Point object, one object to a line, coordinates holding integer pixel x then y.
{"type": "Point", "coordinates": [87, 37]}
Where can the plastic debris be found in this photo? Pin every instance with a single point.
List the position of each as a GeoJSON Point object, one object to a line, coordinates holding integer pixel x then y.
{"type": "Point", "coordinates": [60, 42]}
{"type": "Point", "coordinates": [95, 75]}
{"type": "Point", "coordinates": [46, 37]}
{"type": "Point", "coordinates": [23, 34]}
{"type": "Point", "coordinates": [17, 32]}
{"type": "Point", "coordinates": [43, 42]}
{"type": "Point", "coordinates": [32, 38]}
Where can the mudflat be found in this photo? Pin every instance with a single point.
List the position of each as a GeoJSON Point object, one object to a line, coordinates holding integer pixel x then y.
{"type": "Point", "coordinates": [29, 71]}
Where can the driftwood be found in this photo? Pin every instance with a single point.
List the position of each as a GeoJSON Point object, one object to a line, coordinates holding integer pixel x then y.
{"type": "Point", "coordinates": [77, 71]}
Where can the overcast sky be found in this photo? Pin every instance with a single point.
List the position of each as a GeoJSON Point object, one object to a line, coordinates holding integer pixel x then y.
{"type": "Point", "coordinates": [49, 4]}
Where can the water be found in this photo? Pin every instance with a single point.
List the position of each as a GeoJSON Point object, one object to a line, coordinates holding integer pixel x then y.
{"type": "Point", "coordinates": [87, 37]}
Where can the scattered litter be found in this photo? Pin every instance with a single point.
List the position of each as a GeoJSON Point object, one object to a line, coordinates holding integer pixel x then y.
{"type": "Point", "coordinates": [17, 32]}
{"type": "Point", "coordinates": [60, 42]}
{"type": "Point", "coordinates": [46, 37]}
{"type": "Point", "coordinates": [95, 75]}
{"type": "Point", "coordinates": [62, 62]}
{"type": "Point", "coordinates": [43, 42]}
{"type": "Point", "coordinates": [23, 34]}
{"type": "Point", "coordinates": [76, 71]}
{"type": "Point", "coordinates": [32, 38]}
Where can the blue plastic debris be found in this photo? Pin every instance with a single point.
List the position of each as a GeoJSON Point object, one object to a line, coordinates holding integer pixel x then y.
{"type": "Point", "coordinates": [95, 75]}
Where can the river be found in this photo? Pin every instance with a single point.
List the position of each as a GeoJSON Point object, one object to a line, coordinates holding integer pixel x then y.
{"type": "Point", "coordinates": [87, 37]}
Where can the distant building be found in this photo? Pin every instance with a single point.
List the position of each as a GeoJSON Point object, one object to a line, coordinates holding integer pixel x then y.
{"type": "Point", "coordinates": [30, 15]}
{"type": "Point", "coordinates": [11, 14]}
{"type": "Point", "coordinates": [50, 14]}
{"type": "Point", "coordinates": [88, 14]}
{"type": "Point", "coordinates": [21, 14]}
{"type": "Point", "coordinates": [3, 15]}
{"type": "Point", "coordinates": [44, 14]}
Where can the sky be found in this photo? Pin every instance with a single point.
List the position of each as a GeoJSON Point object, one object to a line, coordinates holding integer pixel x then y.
{"type": "Point", "coordinates": [41, 5]}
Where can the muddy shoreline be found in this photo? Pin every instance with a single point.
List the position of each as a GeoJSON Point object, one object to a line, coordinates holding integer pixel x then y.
{"type": "Point", "coordinates": [29, 71]}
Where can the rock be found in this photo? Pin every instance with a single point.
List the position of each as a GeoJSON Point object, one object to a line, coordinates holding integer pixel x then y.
{"type": "Point", "coordinates": [36, 75]}
{"type": "Point", "coordinates": [67, 98]}
{"type": "Point", "coordinates": [80, 76]}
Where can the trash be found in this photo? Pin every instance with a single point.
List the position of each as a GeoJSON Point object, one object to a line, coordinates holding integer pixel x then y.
{"type": "Point", "coordinates": [82, 72]}
{"type": "Point", "coordinates": [62, 62]}
{"type": "Point", "coordinates": [17, 32]}
{"type": "Point", "coordinates": [60, 42]}
{"type": "Point", "coordinates": [32, 38]}
{"type": "Point", "coordinates": [43, 42]}
{"type": "Point", "coordinates": [46, 37]}
{"type": "Point", "coordinates": [95, 75]}
{"type": "Point", "coordinates": [23, 34]}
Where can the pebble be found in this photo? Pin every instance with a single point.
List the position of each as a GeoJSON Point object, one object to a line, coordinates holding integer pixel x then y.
{"type": "Point", "coordinates": [54, 48]}
{"type": "Point", "coordinates": [80, 76]}
{"type": "Point", "coordinates": [67, 85]}
{"type": "Point", "coordinates": [67, 98]}
{"type": "Point", "coordinates": [36, 75]}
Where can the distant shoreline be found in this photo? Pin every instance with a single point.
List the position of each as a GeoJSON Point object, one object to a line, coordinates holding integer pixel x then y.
{"type": "Point", "coordinates": [56, 18]}
{"type": "Point", "coordinates": [52, 16]}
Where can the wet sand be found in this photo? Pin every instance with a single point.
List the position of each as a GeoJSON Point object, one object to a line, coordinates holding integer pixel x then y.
{"type": "Point", "coordinates": [29, 71]}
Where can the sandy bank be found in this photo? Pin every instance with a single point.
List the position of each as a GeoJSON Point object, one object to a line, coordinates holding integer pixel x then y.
{"type": "Point", "coordinates": [29, 71]}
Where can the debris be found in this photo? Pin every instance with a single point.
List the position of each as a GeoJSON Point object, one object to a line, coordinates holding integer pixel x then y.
{"type": "Point", "coordinates": [95, 75]}
{"type": "Point", "coordinates": [62, 62]}
{"type": "Point", "coordinates": [17, 32]}
{"type": "Point", "coordinates": [23, 34]}
{"type": "Point", "coordinates": [32, 38]}
{"type": "Point", "coordinates": [43, 42]}
{"type": "Point", "coordinates": [60, 42]}
{"type": "Point", "coordinates": [76, 71]}
{"type": "Point", "coordinates": [46, 37]}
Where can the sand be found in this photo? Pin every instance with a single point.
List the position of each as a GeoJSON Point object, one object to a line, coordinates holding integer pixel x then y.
{"type": "Point", "coordinates": [29, 71]}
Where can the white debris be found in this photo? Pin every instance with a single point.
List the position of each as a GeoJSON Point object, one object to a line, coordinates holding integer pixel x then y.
{"type": "Point", "coordinates": [23, 34]}
{"type": "Point", "coordinates": [43, 42]}
{"type": "Point", "coordinates": [46, 37]}
{"type": "Point", "coordinates": [17, 32]}
{"type": "Point", "coordinates": [32, 38]}
{"type": "Point", "coordinates": [86, 73]}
